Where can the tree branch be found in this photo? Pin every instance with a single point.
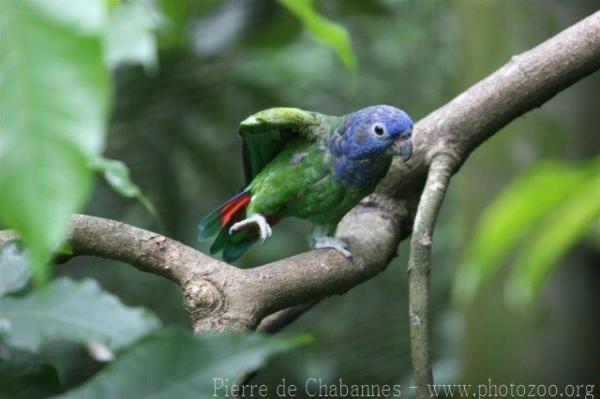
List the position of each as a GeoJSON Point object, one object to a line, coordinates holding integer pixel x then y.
{"type": "Point", "coordinates": [220, 297]}
{"type": "Point", "coordinates": [438, 179]}
{"type": "Point", "coordinates": [147, 251]}
{"type": "Point", "coordinates": [278, 320]}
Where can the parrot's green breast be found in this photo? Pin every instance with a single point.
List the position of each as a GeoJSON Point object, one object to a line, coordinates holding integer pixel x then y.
{"type": "Point", "coordinates": [300, 182]}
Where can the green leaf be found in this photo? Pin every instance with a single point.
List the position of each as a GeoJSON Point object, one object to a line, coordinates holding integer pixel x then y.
{"type": "Point", "coordinates": [54, 92]}
{"type": "Point", "coordinates": [331, 33]}
{"type": "Point", "coordinates": [27, 380]}
{"type": "Point", "coordinates": [74, 310]}
{"type": "Point", "coordinates": [175, 364]}
{"type": "Point", "coordinates": [515, 215]}
{"type": "Point", "coordinates": [129, 37]}
{"type": "Point", "coordinates": [117, 177]}
{"type": "Point", "coordinates": [563, 229]}
{"type": "Point", "coordinates": [14, 269]}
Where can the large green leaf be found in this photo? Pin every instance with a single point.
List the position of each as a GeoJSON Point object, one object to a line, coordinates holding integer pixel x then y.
{"type": "Point", "coordinates": [54, 92]}
{"type": "Point", "coordinates": [516, 215]}
{"type": "Point", "coordinates": [175, 364]}
{"type": "Point", "coordinates": [331, 33]}
{"type": "Point", "coordinates": [564, 228]}
{"type": "Point", "coordinates": [27, 380]}
{"type": "Point", "coordinates": [75, 310]}
{"type": "Point", "coordinates": [14, 269]}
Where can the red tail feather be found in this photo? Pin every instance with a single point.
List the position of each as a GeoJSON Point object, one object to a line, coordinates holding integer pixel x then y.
{"type": "Point", "coordinates": [231, 209]}
{"type": "Point", "coordinates": [220, 220]}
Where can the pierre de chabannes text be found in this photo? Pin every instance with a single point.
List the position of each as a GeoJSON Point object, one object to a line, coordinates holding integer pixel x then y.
{"type": "Point", "coordinates": [317, 388]}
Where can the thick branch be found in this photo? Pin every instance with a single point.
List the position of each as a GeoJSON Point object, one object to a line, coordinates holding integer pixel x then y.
{"type": "Point", "coordinates": [440, 171]}
{"type": "Point", "coordinates": [221, 297]}
{"type": "Point", "coordinates": [147, 251]}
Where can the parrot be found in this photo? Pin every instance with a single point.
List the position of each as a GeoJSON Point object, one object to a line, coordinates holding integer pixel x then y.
{"type": "Point", "coordinates": [307, 165]}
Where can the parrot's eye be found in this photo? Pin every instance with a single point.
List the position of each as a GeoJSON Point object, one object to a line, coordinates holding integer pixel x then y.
{"type": "Point", "coordinates": [378, 129]}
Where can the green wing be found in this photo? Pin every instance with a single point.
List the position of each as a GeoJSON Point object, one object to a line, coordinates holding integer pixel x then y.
{"type": "Point", "coordinates": [266, 132]}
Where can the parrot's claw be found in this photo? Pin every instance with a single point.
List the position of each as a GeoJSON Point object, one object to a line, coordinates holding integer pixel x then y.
{"type": "Point", "coordinates": [335, 243]}
{"type": "Point", "coordinates": [264, 230]}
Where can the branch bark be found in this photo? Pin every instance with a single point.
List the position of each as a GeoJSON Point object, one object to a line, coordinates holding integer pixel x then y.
{"type": "Point", "coordinates": [440, 171]}
{"type": "Point", "coordinates": [221, 297]}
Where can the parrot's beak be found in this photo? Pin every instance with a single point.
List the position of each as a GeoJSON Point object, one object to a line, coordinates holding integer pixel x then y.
{"type": "Point", "coordinates": [403, 146]}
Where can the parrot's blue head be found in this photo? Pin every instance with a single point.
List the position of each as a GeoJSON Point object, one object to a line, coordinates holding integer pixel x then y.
{"type": "Point", "coordinates": [364, 143]}
{"type": "Point", "coordinates": [375, 130]}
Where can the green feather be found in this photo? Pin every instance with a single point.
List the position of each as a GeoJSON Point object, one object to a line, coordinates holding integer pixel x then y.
{"type": "Point", "coordinates": [266, 133]}
{"type": "Point", "coordinates": [232, 251]}
{"type": "Point", "coordinates": [220, 241]}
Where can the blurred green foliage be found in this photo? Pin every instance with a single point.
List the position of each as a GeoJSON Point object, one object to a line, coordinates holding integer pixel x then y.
{"type": "Point", "coordinates": [331, 33]}
{"type": "Point", "coordinates": [167, 363]}
{"type": "Point", "coordinates": [77, 311]}
{"type": "Point", "coordinates": [14, 269]}
{"type": "Point", "coordinates": [174, 364]}
{"type": "Point", "coordinates": [176, 104]}
{"type": "Point", "coordinates": [129, 36]}
{"type": "Point", "coordinates": [545, 211]}
{"type": "Point", "coordinates": [564, 228]}
{"type": "Point", "coordinates": [117, 177]}
{"type": "Point", "coordinates": [54, 99]}
{"type": "Point", "coordinates": [25, 380]}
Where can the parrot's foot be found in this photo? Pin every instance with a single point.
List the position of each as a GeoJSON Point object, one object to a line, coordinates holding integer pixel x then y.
{"type": "Point", "coordinates": [264, 230]}
{"type": "Point", "coordinates": [335, 243]}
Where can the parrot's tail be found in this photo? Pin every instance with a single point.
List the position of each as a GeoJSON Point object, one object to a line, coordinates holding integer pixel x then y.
{"type": "Point", "coordinates": [218, 223]}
